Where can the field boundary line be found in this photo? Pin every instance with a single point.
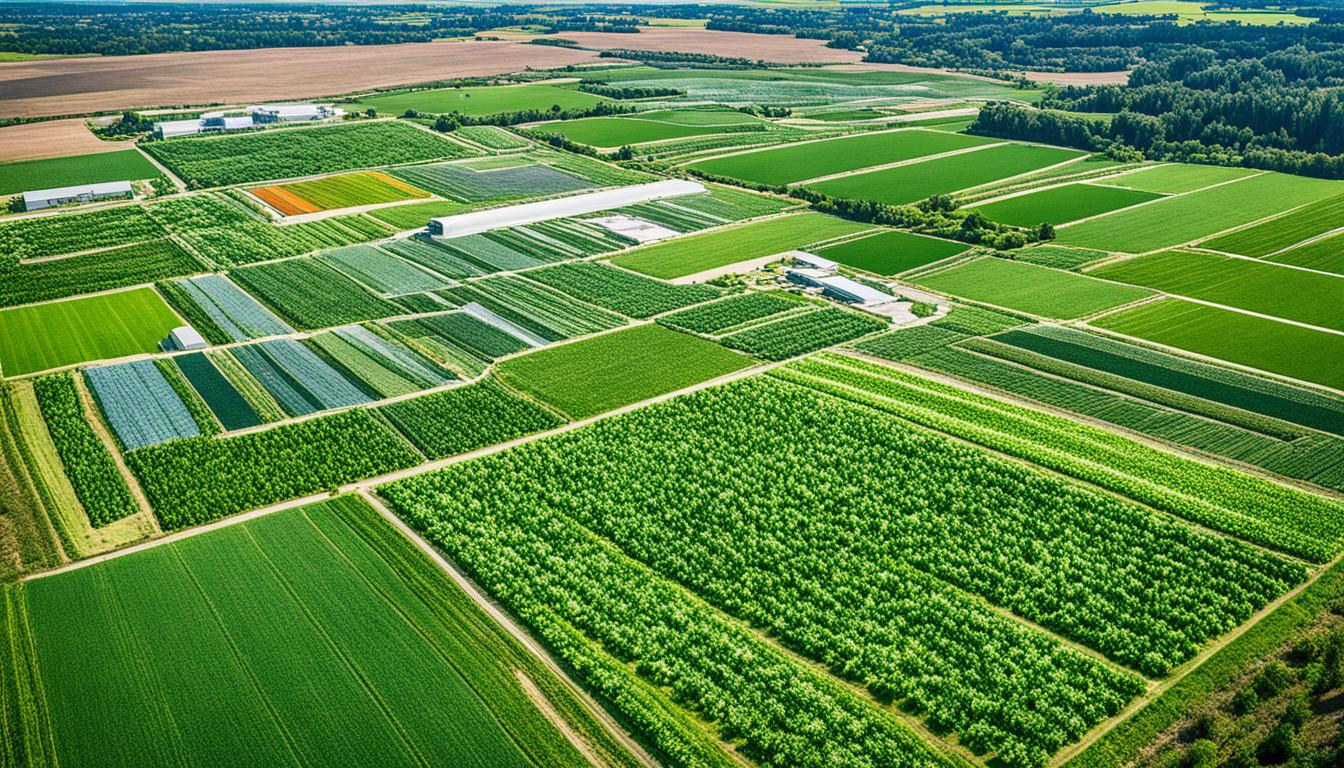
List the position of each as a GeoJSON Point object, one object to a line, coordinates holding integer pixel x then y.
{"type": "Point", "coordinates": [1229, 308]}
{"type": "Point", "coordinates": [897, 164]}
{"type": "Point", "coordinates": [1169, 197]}
{"type": "Point", "coordinates": [1264, 259]}
{"type": "Point", "coordinates": [798, 143]}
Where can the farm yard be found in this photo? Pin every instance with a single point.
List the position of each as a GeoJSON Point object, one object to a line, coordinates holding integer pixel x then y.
{"type": "Point", "coordinates": [907, 435]}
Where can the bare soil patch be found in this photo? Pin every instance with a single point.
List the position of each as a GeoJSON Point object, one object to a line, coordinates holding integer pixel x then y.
{"type": "Point", "coordinates": [781, 49]}
{"type": "Point", "coordinates": [1079, 78]}
{"type": "Point", "coordinates": [52, 138]}
{"type": "Point", "coordinates": [81, 85]}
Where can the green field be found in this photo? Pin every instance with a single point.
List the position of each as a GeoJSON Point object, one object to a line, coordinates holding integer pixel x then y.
{"type": "Point", "coordinates": [1326, 254]}
{"type": "Point", "coordinates": [1029, 288]}
{"type": "Point", "coordinates": [697, 253]}
{"type": "Point", "coordinates": [1277, 234]}
{"type": "Point", "coordinates": [1252, 341]}
{"type": "Point", "coordinates": [486, 100]}
{"type": "Point", "coordinates": [41, 336]}
{"type": "Point", "coordinates": [1184, 218]}
{"type": "Point", "coordinates": [797, 162]}
{"type": "Point", "coordinates": [1292, 294]}
{"type": "Point", "coordinates": [892, 252]}
{"type": "Point", "coordinates": [596, 375]}
{"type": "Point", "coordinates": [1060, 205]}
{"type": "Point", "coordinates": [314, 636]}
{"type": "Point", "coordinates": [606, 132]}
{"type": "Point", "coordinates": [28, 175]}
{"type": "Point", "coordinates": [1175, 178]}
{"type": "Point", "coordinates": [910, 183]}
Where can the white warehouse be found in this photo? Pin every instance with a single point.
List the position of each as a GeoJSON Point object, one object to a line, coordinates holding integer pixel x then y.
{"type": "Point", "coordinates": [545, 210]}
{"type": "Point", "coordinates": [258, 114]}
{"type": "Point", "coordinates": [84, 193]}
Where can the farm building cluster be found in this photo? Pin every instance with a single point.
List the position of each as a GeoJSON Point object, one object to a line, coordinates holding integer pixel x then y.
{"type": "Point", "coordinates": [251, 117]}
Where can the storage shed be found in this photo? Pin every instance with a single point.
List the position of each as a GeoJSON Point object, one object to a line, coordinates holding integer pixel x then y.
{"type": "Point", "coordinates": [852, 291]}
{"type": "Point", "coordinates": [545, 210]}
{"type": "Point", "coordinates": [184, 337]}
{"type": "Point", "coordinates": [84, 193]}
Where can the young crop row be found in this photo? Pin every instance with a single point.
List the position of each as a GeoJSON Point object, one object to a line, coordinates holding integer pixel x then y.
{"type": "Point", "coordinates": [464, 330]}
{"type": "Point", "coordinates": [438, 256]}
{"type": "Point", "coordinates": [43, 236]}
{"type": "Point", "coordinates": [720, 315]}
{"type": "Point", "coordinates": [800, 334]}
{"type": "Point", "coordinates": [140, 405]}
{"type": "Point", "coordinates": [491, 136]}
{"type": "Point", "coordinates": [345, 190]}
{"type": "Point", "coordinates": [90, 272]}
{"type": "Point", "coordinates": [466, 418]}
{"type": "Point", "coordinates": [189, 482]}
{"type": "Point", "coordinates": [311, 294]}
{"type": "Point", "coordinates": [234, 314]}
{"type": "Point", "coordinates": [808, 483]}
{"type": "Point", "coordinates": [379, 373]}
{"type": "Point", "coordinates": [1257, 510]}
{"type": "Point", "coordinates": [540, 310]}
{"type": "Point", "coordinates": [381, 271]}
{"type": "Point", "coordinates": [219, 161]}
{"type": "Point", "coordinates": [464, 183]}
{"type": "Point", "coordinates": [251, 241]}
{"type": "Point", "coordinates": [223, 399]}
{"type": "Point", "coordinates": [297, 378]}
{"type": "Point", "coordinates": [91, 469]}
{"type": "Point", "coordinates": [626, 292]}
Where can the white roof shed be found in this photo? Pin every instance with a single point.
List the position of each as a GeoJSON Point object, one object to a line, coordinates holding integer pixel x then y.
{"type": "Point", "coordinates": [545, 210]}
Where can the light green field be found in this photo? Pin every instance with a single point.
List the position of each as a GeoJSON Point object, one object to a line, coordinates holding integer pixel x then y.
{"type": "Point", "coordinates": [1292, 294]}
{"type": "Point", "coordinates": [314, 636]}
{"type": "Point", "coordinates": [942, 175]}
{"type": "Point", "coordinates": [891, 252]}
{"type": "Point", "coordinates": [29, 175]}
{"type": "Point", "coordinates": [1184, 218]}
{"type": "Point", "coordinates": [608, 132]}
{"type": "Point", "coordinates": [688, 255]}
{"type": "Point", "coordinates": [1326, 254]}
{"type": "Point", "coordinates": [1031, 288]}
{"type": "Point", "coordinates": [1060, 205]}
{"type": "Point", "coordinates": [1188, 12]}
{"type": "Point", "coordinates": [1253, 341]}
{"type": "Point", "coordinates": [41, 336]}
{"type": "Point", "coordinates": [793, 163]}
{"type": "Point", "coordinates": [595, 375]}
{"type": "Point", "coordinates": [1175, 178]}
{"type": "Point", "coordinates": [1287, 230]}
{"type": "Point", "coordinates": [486, 100]}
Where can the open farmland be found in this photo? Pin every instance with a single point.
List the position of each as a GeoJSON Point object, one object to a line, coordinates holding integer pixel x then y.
{"type": "Point", "coordinates": [311, 294]}
{"type": "Point", "coordinates": [891, 252]}
{"type": "Point", "coordinates": [1293, 294]}
{"type": "Point", "coordinates": [1283, 232]}
{"type": "Point", "coordinates": [943, 175]}
{"type": "Point", "coordinates": [123, 165]}
{"type": "Point", "coordinates": [329, 636]}
{"type": "Point", "coordinates": [794, 163]}
{"type": "Point", "coordinates": [1176, 178]}
{"type": "Point", "coordinates": [1060, 205]}
{"type": "Point", "coordinates": [484, 100]}
{"type": "Point", "coordinates": [283, 154]}
{"type": "Point", "coordinates": [590, 376]}
{"type": "Point", "coordinates": [1196, 215]}
{"type": "Point", "coordinates": [1029, 288]}
{"type": "Point", "coordinates": [41, 336]}
{"type": "Point", "coordinates": [1300, 353]}
{"type": "Point", "coordinates": [343, 191]}
{"type": "Point", "coordinates": [697, 253]}
{"type": "Point", "coordinates": [609, 132]}
{"type": "Point", "coordinates": [1325, 254]}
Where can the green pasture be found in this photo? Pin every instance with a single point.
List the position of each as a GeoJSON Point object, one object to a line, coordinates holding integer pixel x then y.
{"type": "Point", "coordinates": [1287, 230]}
{"type": "Point", "coordinates": [41, 336]}
{"type": "Point", "coordinates": [1060, 205]}
{"type": "Point", "coordinates": [1031, 288]}
{"type": "Point", "coordinates": [29, 175]}
{"type": "Point", "coordinates": [607, 132]}
{"type": "Point", "coordinates": [891, 252]}
{"type": "Point", "coordinates": [484, 100]}
{"type": "Point", "coordinates": [1326, 254]}
{"type": "Point", "coordinates": [1175, 178]}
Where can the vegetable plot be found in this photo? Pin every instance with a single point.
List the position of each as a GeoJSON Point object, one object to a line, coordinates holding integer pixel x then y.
{"type": "Point", "coordinates": [140, 404]}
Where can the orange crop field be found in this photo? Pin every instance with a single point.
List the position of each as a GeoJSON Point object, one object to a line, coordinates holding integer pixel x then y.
{"type": "Point", "coordinates": [341, 191]}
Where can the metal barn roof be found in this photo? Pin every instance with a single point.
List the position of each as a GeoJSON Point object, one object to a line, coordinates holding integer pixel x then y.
{"type": "Point", "coordinates": [57, 193]}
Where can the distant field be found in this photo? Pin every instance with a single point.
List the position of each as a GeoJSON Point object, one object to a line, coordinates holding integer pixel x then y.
{"type": "Point", "coordinates": [28, 175]}
{"type": "Point", "coordinates": [909, 183]}
{"type": "Point", "coordinates": [1239, 338]}
{"type": "Point", "coordinates": [697, 253]}
{"type": "Point", "coordinates": [789, 164]}
{"type": "Point", "coordinates": [606, 132]}
{"type": "Point", "coordinates": [1060, 205]}
{"type": "Point", "coordinates": [596, 375]}
{"type": "Point", "coordinates": [891, 252]}
{"type": "Point", "coordinates": [485, 100]}
{"type": "Point", "coordinates": [1029, 288]}
{"type": "Point", "coordinates": [1175, 178]}
{"type": "Point", "coordinates": [42, 336]}
{"type": "Point", "coordinates": [321, 635]}
{"type": "Point", "coordinates": [1293, 294]}
{"type": "Point", "coordinates": [343, 191]}
{"type": "Point", "coordinates": [1178, 220]}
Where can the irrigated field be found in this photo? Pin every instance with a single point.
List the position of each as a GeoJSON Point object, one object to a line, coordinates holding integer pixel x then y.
{"type": "Point", "coordinates": [698, 253]}
{"type": "Point", "coordinates": [1239, 338]}
{"type": "Point", "coordinates": [607, 132]}
{"type": "Point", "coordinates": [41, 336]}
{"type": "Point", "coordinates": [891, 252]}
{"type": "Point", "coordinates": [320, 634]}
{"type": "Point", "coordinates": [1287, 230]}
{"type": "Point", "coordinates": [344, 191]}
{"type": "Point", "coordinates": [484, 100]}
{"type": "Point", "coordinates": [123, 165]}
{"type": "Point", "coordinates": [790, 164]}
{"type": "Point", "coordinates": [1060, 205]}
{"type": "Point", "coordinates": [1029, 288]}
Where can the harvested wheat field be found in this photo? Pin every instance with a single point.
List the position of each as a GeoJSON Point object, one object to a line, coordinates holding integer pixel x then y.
{"type": "Point", "coordinates": [780, 49]}
{"type": "Point", "coordinates": [79, 85]}
{"type": "Point", "coordinates": [52, 138]}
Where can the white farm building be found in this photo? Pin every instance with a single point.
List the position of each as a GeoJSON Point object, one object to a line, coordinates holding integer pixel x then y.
{"type": "Point", "coordinates": [263, 114]}
{"type": "Point", "coordinates": [545, 210]}
{"type": "Point", "coordinates": [84, 193]}
{"type": "Point", "coordinates": [184, 337]}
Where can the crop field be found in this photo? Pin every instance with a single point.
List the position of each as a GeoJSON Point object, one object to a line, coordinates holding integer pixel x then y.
{"type": "Point", "coordinates": [697, 253]}
{"type": "Point", "coordinates": [943, 175]}
{"type": "Point", "coordinates": [1176, 178]}
{"type": "Point", "coordinates": [1029, 288]}
{"type": "Point", "coordinates": [220, 396]}
{"type": "Point", "coordinates": [1060, 205]}
{"type": "Point", "coordinates": [491, 137]}
{"type": "Point", "coordinates": [1325, 254]}
{"type": "Point", "coordinates": [90, 272]}
{"type": "Point", "coordinates": [29, 175]}
{"type": "Point", "coordinates": [486, 100]}
{"type": "Point", "coordinates": [41, 336]}
{"type": "Point", "coordinates": [346, 190]}
{"type": "Point", "coordinates": [40, 237]}
{"type": "Point", "coordinates": [1293, 294]}
{"type": "Point", "coordinates": [610, 132]}
{"type": "Point", "coordinates": [299, 380]}
{"type": "Point", "coordinates": [630, 294]}
{"type": "Point", "coordinates": [797, 162]}
{"type": "Point", "coordinates": [803, 333]}
{"type": "Point", "coordinates": [1185, 218]}
{"type": "Point", "coordinates": [465, 183]}
{"type": "Point", "coordinates": [891, 252]}
{"type": "Point", "coordinates": [311, 294]}
{"type": "Point", "coordinates": [459, 340]}
{"type": "Point", "coordinates": [722, 315]}
{"type": "Point", "coordinates": [1283, 232]}
{"type": "Point", "coordinates": [414, 215]}
{"type": "Point", "coordinates": [381, 271]}
{"type": "Point", "coordinates": [594, 375]}
{"type": "Point", "coordinates": [539, 310]}
{"type": "Point", "coordinates": [765, 434]}
{"type": "Point", "coordinates": [227, 309]}
{"type": "Point", "coordinates": [243, 158]}
{"type": "Point", "coordinates": [139, 404]}
{"type": "Point", "coordinates": [256, 241]}
{"type": "Point", "coordinates": [478, 415]}
{"type": "Point", "coordinates": [381, 366]}
{"type": "Point", "coordinates": [329, 639]}
{"type": "Point", "coordinates": [1269, 345]}
{"type": "Point", "coordinates": [92, 472]}
{"type": "Point", "coordinates": [1058, 256]}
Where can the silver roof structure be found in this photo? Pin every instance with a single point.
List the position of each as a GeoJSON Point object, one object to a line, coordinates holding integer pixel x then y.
{"type": "Point", "coordinates": [87, 190]}
{"type": "Point", "coordinates": [545, 210]}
